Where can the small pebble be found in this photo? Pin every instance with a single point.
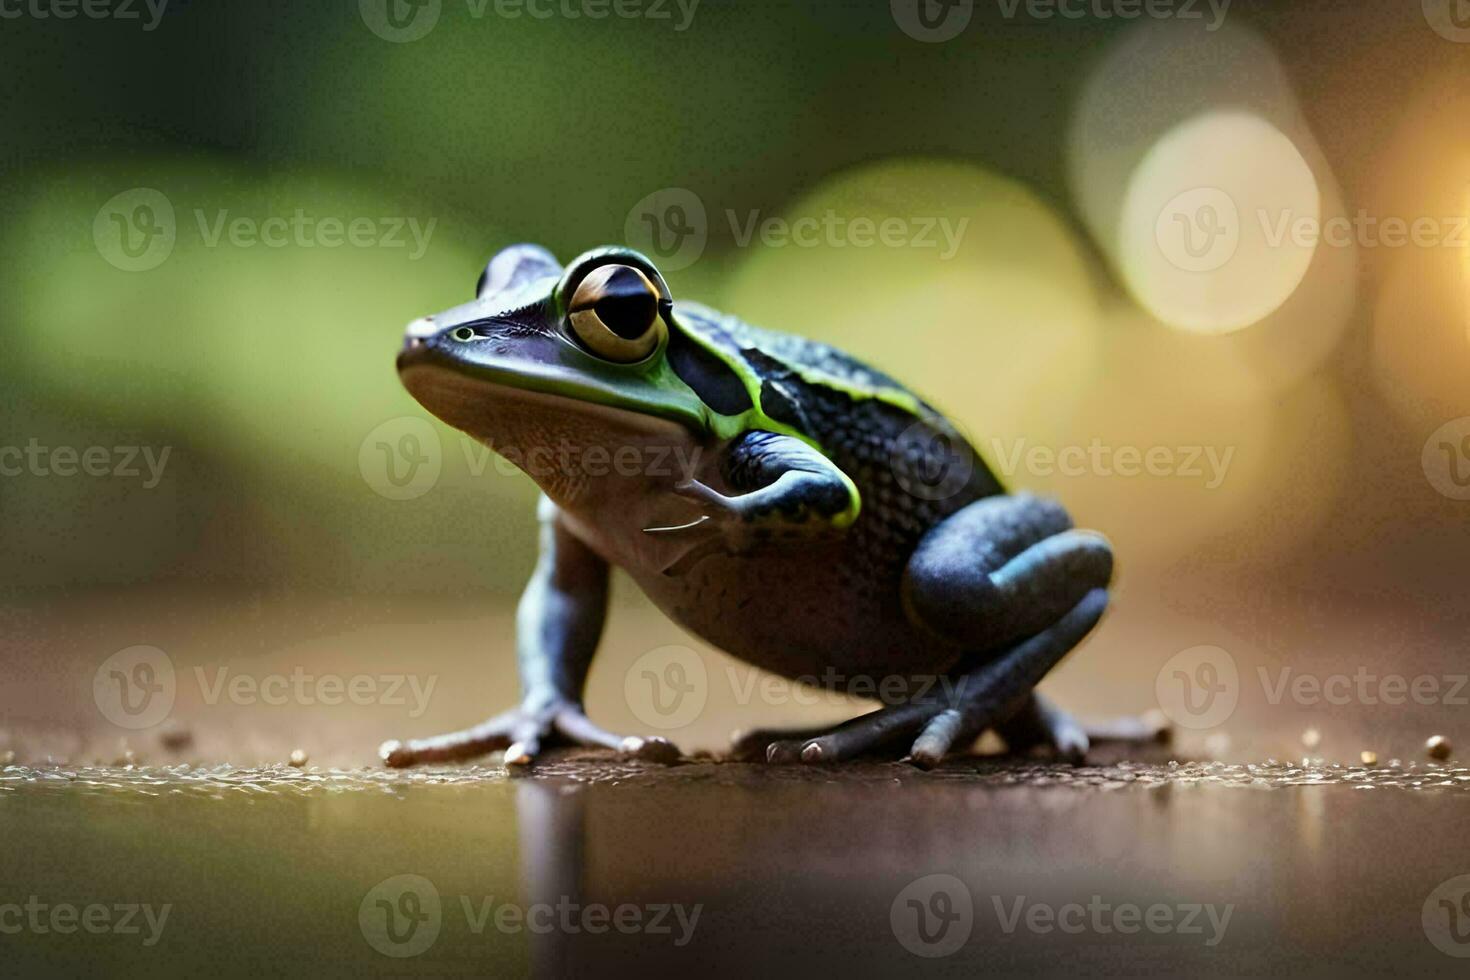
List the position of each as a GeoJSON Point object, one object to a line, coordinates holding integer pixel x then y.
{"type": "Point", "coordinates": [176, 737]}
{"type": "Point", "coordinates": [1311, 738]}
{"type": "Point", "coordinates": [298, 758]}
{"type": "Point", "coordinates": [1368, 757]}
{"type": "Point", "coordinates": [1438, 747]}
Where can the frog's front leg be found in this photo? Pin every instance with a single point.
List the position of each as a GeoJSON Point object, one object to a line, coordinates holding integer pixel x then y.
{"type": "Point", "coordinates": [558, 625]}
{"type": "Point", "coordinates": [789, 492]}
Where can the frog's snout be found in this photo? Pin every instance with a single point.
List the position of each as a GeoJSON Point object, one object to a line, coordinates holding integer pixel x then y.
{"type": "Point", "coordinates": [418, 331]}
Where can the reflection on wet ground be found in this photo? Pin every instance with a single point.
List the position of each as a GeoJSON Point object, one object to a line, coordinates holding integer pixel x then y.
{"type": "Point", "coordinates": [587, 864]}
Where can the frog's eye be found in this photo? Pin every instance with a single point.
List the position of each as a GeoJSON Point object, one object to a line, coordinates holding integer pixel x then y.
{"type": "Point", "coordinates": [615, 313]}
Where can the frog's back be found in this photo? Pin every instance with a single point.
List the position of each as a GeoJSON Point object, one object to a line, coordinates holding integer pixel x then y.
{"type": "Point", "coordinates": [901, 452]}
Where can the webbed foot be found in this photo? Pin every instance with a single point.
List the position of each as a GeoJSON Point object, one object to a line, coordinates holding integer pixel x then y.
{"type": "Point", "coordinates": [523, 733]}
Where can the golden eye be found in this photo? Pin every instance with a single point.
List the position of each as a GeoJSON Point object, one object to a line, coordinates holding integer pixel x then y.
{"type": "Point", "coordinates": [615, 314]}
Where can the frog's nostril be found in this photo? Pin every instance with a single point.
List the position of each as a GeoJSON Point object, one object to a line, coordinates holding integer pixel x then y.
{"type": "Point", "coordinates": [419, 329]}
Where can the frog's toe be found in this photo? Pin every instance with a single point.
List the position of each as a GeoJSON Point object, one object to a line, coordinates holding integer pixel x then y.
{"type": "Point", "coordinates": [869, 734]}
{"type": "Point", "coordinates": [755, 745]}
{"type": "Point", "coordinates": [875, 733]}
{"type": "Point", "coordinates": [496, 733]}
{"type": "Point", "coordinates": [652, 749]}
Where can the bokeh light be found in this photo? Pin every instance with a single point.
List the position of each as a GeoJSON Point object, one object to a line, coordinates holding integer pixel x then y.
{"type": "Point", "coordinates": [1206, 190]}
{"type": "Point", "coordinates": [1204, 239]}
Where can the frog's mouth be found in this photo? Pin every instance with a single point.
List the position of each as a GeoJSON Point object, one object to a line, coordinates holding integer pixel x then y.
{"type": "Point", "coordinates": [488, 398]}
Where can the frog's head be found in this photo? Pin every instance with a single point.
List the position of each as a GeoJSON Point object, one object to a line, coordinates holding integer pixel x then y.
{"type": "Point", "coordinates": [543, 348]}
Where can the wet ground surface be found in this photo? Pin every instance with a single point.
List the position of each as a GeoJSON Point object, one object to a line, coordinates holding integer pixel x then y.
{"type": "Point", "coordinates": [206, 858]}
{"type": "Point", "coordinates": [588, 864]}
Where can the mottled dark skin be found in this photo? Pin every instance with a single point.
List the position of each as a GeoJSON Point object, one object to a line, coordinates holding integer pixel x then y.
{"type": "Point", "coordinates": [830, 524]}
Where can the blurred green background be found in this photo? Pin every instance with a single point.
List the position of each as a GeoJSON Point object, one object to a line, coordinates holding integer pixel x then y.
{"type": "Point", "coordinates": [265, 369]}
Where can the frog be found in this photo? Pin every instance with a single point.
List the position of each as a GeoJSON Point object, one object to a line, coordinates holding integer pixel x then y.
{"type": "Point", "coordinates": [829, 524]}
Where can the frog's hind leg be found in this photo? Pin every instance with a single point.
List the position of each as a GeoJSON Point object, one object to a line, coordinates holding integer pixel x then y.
{"type": "Point", "coordinates": [980, 696]}
{"type": "Point", "coordinates": [1009, 578]}
{"type": "Point", "coordinates": [1002, 569]}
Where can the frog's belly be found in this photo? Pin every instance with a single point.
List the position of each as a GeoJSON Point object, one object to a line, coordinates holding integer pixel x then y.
{"type": "Point", "coordinates": [829, 613]}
